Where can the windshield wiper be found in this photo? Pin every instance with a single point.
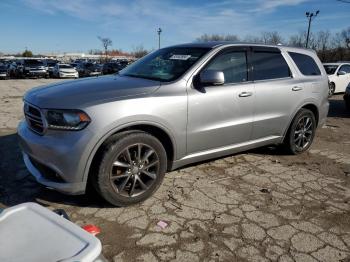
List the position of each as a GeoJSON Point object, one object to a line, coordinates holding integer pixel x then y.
{"type": "Point", "coordinates": [143, 76]}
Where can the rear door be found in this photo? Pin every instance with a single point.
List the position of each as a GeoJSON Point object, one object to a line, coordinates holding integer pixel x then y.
{"type": "Point", "coordinates": [277, 94]}
{"type": "Point", "coordinates": [222, 115]}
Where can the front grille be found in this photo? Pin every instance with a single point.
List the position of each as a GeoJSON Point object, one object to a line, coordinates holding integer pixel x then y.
{"type": "Point", "coordinates": [34, 118]}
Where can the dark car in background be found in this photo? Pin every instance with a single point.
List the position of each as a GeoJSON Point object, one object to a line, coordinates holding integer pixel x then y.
{"type": "Point", "coordinates": [110, 68]}
{"type": "Point", "coordinates": [33, 68]}
{"type": "Point", "coordinates": [15, 69]}
{"type": "Point", "coordinates": [50, 64]}
{"type": "Point", "coordinates": [89, 69]}
{"type": "Point", "coordinates": [347, 97]}
{"type": "Point", "coordinates": [4, 73]}
{"type": "Point", "coordinates": [123, 63]}
{"type": "Point", "coordinates": [74, 65]}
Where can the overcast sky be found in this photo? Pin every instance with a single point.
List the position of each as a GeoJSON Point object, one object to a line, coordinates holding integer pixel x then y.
{"type": "Point", "coordinates": [72, 26]}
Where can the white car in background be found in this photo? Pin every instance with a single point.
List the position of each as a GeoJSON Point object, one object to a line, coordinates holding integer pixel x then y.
{"type": "Point", "coordinates": [65, 71]}
{"type": "Point", "coordinates": [339, 76]}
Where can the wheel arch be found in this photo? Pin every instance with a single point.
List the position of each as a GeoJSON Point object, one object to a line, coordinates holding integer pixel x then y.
{"type": "Point", "coordinates": [310, 106]}
{"type": "Point", "coordinates": [155, 129]}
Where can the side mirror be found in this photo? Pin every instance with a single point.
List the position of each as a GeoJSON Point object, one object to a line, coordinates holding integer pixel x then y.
{"type": "Point", "coordinates": [212, 77]}
{"type": "Point", "coordinates": [341, 73]}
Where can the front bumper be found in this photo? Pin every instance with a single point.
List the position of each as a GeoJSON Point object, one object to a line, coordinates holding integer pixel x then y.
{"type": "Point", "coordinates": [36, 73]}
{"type": "Point", "coordinates": [95, 73]}
{"type": "Point", "coordinates": [68, 75]}
{"type": "Point", "coordinates": [64, 153]}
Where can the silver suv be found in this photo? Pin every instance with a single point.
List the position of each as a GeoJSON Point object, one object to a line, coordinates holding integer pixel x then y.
{"type": "Point", "coordinates": [176, 106]}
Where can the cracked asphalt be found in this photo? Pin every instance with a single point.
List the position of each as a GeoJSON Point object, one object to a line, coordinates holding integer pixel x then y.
{"type": "Point", "coordinates": [259, 205]}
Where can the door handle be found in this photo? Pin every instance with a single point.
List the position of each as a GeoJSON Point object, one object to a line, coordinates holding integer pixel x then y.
{"type": "Point", "coordinates": [245, 94]}
{"type": "Point", "coordinates": [297, 88]}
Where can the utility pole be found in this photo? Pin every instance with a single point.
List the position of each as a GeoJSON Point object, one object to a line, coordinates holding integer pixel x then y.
{"type": "Point", "coordinates": [159, 31]}
{"type": "Point", "coordinates": [310, 16]}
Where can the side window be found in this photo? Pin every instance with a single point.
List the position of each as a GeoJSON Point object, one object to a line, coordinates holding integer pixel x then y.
{"type": "Point", "coordinates": [345, 68]}
{"type": "Point", "coordinates": [269, 65]}
{"type": "Point", "coordinates": [233, 65]}
{"type": "Point", "coordinates": [306, 64]}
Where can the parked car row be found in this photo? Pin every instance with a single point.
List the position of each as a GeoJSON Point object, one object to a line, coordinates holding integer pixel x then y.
{"type": "Point", "coordinates": [26, 68]}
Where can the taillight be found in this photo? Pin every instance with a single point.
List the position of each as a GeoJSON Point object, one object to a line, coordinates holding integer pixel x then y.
{"type": "Point", "coordinates": [92, 229]}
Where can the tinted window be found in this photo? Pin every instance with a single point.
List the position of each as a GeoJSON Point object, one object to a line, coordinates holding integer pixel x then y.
{"type": "Point", "coordinates": [232, 64]}
{"type": "Point", "coordinates": [268, 65]}
{"type": "Point", "coordinates": [330, 69]}
{"type": "Point", "coordinates": [306, 64]}
{"type": "Point", "coordinates": [345, 68]}
{"type": "Point", "coordinates": [33, 62]}
{"type": "Point", "coordinates": [65, 66]}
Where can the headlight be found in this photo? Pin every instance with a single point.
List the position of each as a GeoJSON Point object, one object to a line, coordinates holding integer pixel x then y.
{"type": "Point", "coordinates": [67, 119]}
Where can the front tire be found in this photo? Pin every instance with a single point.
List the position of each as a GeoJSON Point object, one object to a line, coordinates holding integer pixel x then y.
{"type": "Point", "coordinates": [131, 169]}
{"type": "Point", "coordinates": [301, 132]}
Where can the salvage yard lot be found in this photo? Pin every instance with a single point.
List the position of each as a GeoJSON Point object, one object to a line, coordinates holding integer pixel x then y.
{"type": "Point", "coordinates": [260, 205]}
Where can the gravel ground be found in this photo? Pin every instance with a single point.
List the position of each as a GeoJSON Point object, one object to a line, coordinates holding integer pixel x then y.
{"type": "Point", "coordinates": [259, 205]}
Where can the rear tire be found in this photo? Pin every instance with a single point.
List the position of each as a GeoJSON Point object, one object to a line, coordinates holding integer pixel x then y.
{"type": "Point", "coordinates": [331, 89]}
{"type": "Point", "coordinates": [301, 132]}
{"type": "Point", "coordinates": [132, 168]}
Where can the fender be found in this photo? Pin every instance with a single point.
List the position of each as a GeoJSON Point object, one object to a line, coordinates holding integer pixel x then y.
{"type": "Point", "coordinates": [115, 130]}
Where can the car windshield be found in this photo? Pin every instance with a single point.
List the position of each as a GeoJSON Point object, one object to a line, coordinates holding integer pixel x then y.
{"type": "Point", "coordinates": [89, 65]}
{"type": "Point", "coordinates": [33, 62]}
{"type": "Point", "coordinates": [330, 69]}
{"type": "Point", "coordinates": [165, 64]}
{"type": "Point", "coordinates": [65, 66]}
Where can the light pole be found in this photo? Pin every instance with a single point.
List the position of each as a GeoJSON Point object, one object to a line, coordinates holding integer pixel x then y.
{"type": "Point", "coordinates": [310, 16]}
{"type": "Point", "coordinates": [159, 31]}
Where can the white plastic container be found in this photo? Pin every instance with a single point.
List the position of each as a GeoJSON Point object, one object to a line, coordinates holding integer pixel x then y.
{"type": "Point", "coordinates": [32, 233]}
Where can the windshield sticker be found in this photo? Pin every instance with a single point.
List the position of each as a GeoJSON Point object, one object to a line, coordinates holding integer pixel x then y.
{"type": "Point", "coordinates": [180, 57]}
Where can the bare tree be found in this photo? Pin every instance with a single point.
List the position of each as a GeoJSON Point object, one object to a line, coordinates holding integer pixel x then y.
{"type": "Point", "coordinates": [139, 51]}
{"type": "Point", "coordinates": [106, 42]}
{"type": "Point", "coordinates": [252, 39]}
{"type": "Point", "coordinates": [346, 36]}
{"type": "Point", "coordinates": [322, 39]}
{"type": "Point", "coordinates": [217, 37]}
{"type": "Point", "coordinates": [297, 40]}
{"type": "Point", "coordinates": [271, 38]}
{"type": "Point", "coordinates": [322, 42]}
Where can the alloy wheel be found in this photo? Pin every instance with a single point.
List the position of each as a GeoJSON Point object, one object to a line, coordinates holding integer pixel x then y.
{"type": "Point", "coordinates": [134, 170]}
{"type": "Point", "coordinates": [303, 132]}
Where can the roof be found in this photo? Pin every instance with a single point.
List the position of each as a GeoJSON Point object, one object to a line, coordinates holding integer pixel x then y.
{"type": "Point", "coordinates": [336, 63]}
{"type": "Point", "coordinates": [214, 44]}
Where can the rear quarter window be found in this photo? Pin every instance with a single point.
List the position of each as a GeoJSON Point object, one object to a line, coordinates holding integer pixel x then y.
{"type": "Point", "coordinates": [306, 64]}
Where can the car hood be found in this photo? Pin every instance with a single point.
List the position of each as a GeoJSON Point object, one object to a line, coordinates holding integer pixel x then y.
{"type": "Point", "coordinates": [81, 93]}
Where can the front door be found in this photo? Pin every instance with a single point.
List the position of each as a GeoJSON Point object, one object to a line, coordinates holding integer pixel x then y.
{"type": "Point", "coordinates": [222, 115]}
